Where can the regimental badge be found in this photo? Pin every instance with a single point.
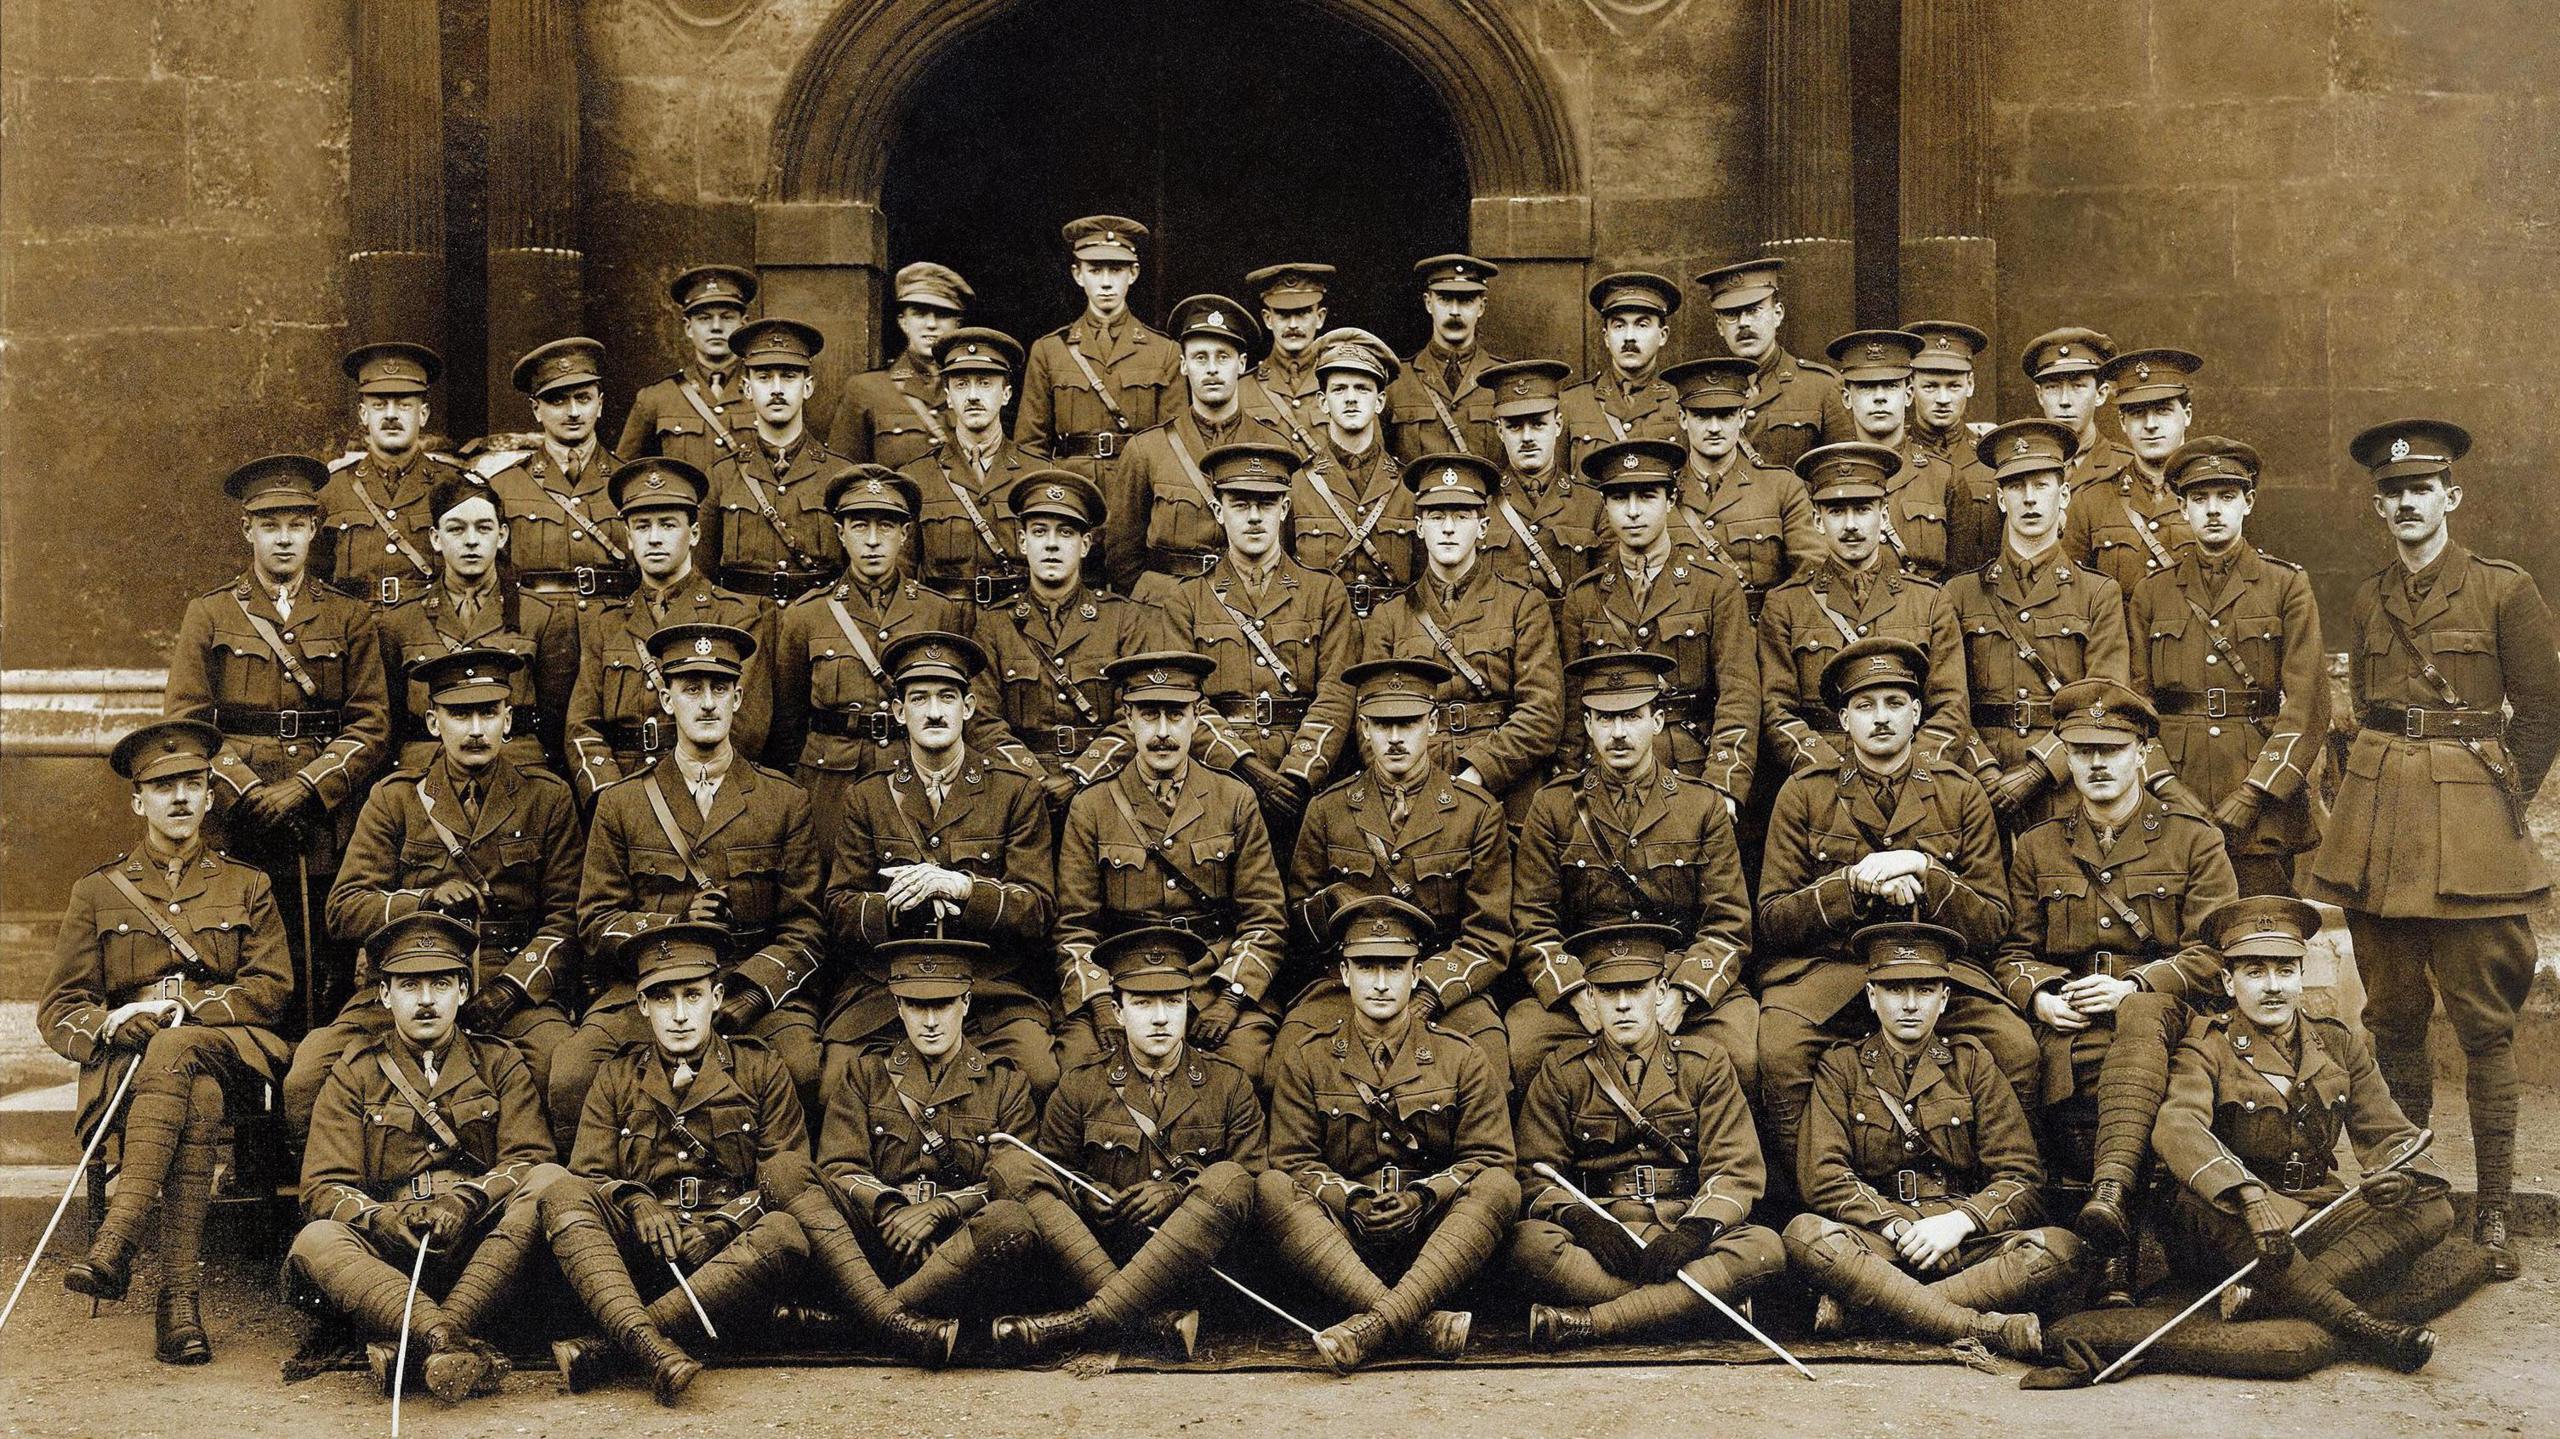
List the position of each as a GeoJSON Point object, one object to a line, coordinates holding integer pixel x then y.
{"type": "Point", "coordinates": [871, 486]}
{"type": "Point", "coordinates": [2021, 447]}
{"type": "Point", "coordinates": [2142, 370]}
{"type": "Point", "coordinates": [657, 481]}
{"type": "Point", "coordinates": [1520, 386]}
{"type": "Point", "coordinates": [1627, 462]}
{"type": "Point", "coordinates": [2400, 449]}
{"type": "Point", "coordinates": [1618, 948]}
{"type": "Point", "coordinates": [1875, 351]}
{"type": "Point", "coordinates": [1054, 492]}
{"type": "Point", "coordinates": [2062, 352]}
{"type": "Point", "coordinates": [1380, 929]}
{"type": "Point", "coordinates": [702, 646]}
{"type": "Point", "coordinates": [1906, 950]}
{"type": "Point", "coordinates": [928, 965]}
{"type": "Point", "coordinates": [1253, 465]}
{"type": "Point", "coordinates": [1215, 318]}
{"type": "Point", "coordinates": [1448, 479]}
{"type": "Point", "coordinates": [970, 348]}
{"type": "Point", "coordinates": [1158, 677]}
{"type": "Point", "coordinates": [2098, 711]}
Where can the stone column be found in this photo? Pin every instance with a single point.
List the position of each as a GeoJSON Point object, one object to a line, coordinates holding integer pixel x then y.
{"type": "Point", "coordinates": [1543, 244]}
{"type": "Point", "coordinates": [826, 262]}
{"type": "Point", "coordinates": [535, 286]}
{"type": "Point", "coordinates": [395, 176]}
{"type": "Point", "coordinates": [1807, 193]}
{"type": "Point", "coordinates": [1947, 254]}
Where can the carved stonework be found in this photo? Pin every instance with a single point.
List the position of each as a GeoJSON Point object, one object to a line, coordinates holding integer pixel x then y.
{"type": "Point", "coordinates": [707, 14]}
{"type": "Point", "coordinates": [1634, 17]}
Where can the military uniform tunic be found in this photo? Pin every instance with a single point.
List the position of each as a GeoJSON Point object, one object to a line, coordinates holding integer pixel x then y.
{"type": "Point", "coordinates": [1291, 399]}
{"type": "Point", "coordinates": [1296, 715]}
{"type": "Point", "coordinates": [1440, 1117]}
{"type": "Point", "coordinates": [1544, 532]}
{"type": "Point", "coordinates": [1502, 707]}
{"type": "Point", "coordinates": [1160, 519]}
{"type": "Point", "coordinates": [543, 633]}
{"type": "Point", "coordinates": [1816, 614]}
{"type": "Point", "coordinates": [353, 550]}
{"type": "Point", "coordinates": [370, 1145]}
{"type": "Point", "coordinates": [898, 1126]}
{"type": "Point", "coordinates": [1973, 495]}
{"type": "Point", "coordinates": [781, 556]}
{"type": "Point", "coordinates": [2073, 622]}
{"type": "Point", "coordinates": [1337, 497]}
{"type": "Point", "coordinates": [1694, 1156]}
{"type": "Point", "coordinates": [1753, 522]}
{"type": "Point", "coordinates": [1794, 405]}
{"type": "Point", "coordinates": [1692, 612]}
{"type": "Point", "coordinates": [890, 416]}
{"type": "Point", "coordinates": [1426, 414]}
{"type": "Point", "coordinates": [1063, 418]}
{"type": "Point", "coordinates": [663, 422]}
{"type": "Point", "coordinates": [1047, 666]}
{"type": "Point", "coordinates": [565, 538]}
{"type": "Point", "coordinates": [1608, 407]}
{"type": "Point", "coordinates": [1206, 1112]}
{"type": "Point", "coordinates": [1880, 1145]}
{"type": "Point", "coordinates": [968, 544]}
{"type": "Point", "coordinates": [1919, 505]}
{"type": "Point", "coordinates": [699, 1151]}
{"type": "Point", "coordinates": [616, 723]}
{"type": "Point", "coordinates": [2127, 528]}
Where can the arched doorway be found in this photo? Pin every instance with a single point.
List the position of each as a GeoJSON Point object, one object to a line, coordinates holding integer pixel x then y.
{"type": "Point", "coordinates": [1239, 134]}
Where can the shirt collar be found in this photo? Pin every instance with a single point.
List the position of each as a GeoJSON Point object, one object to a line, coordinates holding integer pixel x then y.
{"type": "Point", "coordinates": [706, 771]}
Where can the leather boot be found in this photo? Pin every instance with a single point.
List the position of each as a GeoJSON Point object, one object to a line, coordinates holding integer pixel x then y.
{"type": "Point", "coordinates": [455, 1367]}
{"type": "Point", "coordinates": [1461, 1242]}
{"type": "Point", "coordinates": [1177, 1331]}
{"type": "Point", "coordinates": [2405, 1347]}
{"type": "Point", "coordinates": [671, 1370]}
{"type": "Point", "coordinates": [2102, 1218]}
{"type": "Point", "coordinates": [1443, 1333]}
{"type": "Point", "coordinates": [1552, 1328]}
{"type": "Point", "coordinates": [1024, 1339]}
{"type": "Point", "coordinates": [2114, 1289]}
{"type": "Point", "coordinates": [1731, 1271]}
{"type": "Point", "coordinates": [927, 1342]}
{"type": "Point", "coordinates": [592, 1263]}
{"type": "Point", "coordinates": [178, 1330]}
{"type": "Point", "coordinates": [1354, 1342]}
{"type": "Point", "coordinates": [584, 1362]}
{"type": "Point", "coordinates": [2489, 1231]}
{"type": "Point", "coordinates": [152, 1124]}
{"type": "Point", "coordinates": [744, 1274]}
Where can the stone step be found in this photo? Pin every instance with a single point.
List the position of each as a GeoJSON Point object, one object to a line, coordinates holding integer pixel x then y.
{"type": "Point", "coordinates": [35, 1126]}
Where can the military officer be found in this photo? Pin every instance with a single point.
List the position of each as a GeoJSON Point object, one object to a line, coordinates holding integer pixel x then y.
{"type": "Point", "coordinates": [1628, 399]}
{"type": "Point", "coordinates": [425, 1137]}
{"type": "Point", "coordinates": [1169, 841]}
{"type": "Point", "coordinates": [2258, 1097]}
{"type": "Point", "coordinates": [1390, 1145]}
{"type": "Point", "coordinates": [1405, 826]}
{"type": "Point", "coordinates": [764, 521]}
{"type": "Point", "coordinates": [1630, 839]}
{"type": "Point", "coordinates": [1285, 387]}
{"type": "Point", "coordinates": [474, 605]}
{"type": "Point", "coordinates": [1793, 404]}
{"type": "Point", "coordinates": [1545, 529]}
{"type": "Point", "coordinates": [1942, 383]}
{"type": "Point", "coordinates": [173, 954]}
{"type": "Point", "coordinates": [1048, 650]}
{"type": "Point", "coordinates": [2033, 622]}
{"type": "Point", "coordinates": [616, 724]}
{"type": "Point", "coordinates": [1849, 595]}
{"type": "Point", "coordinates": [1502, 697]}
{"type": "Point", "coordinates": [1917, 1161]}
{"type": "Point", "coordinates": [1747, 518]}
{"type": "Point", "coordinates": [1656, 594]}
{"type": "Point", "coordinates": [2063, 365]}
{"type": "Point", "coordinates": [372, 540]}
{"type": "Point", "coordinates": [1875, 384]}
{"type": "Point", "coordinates": [1886, 830]}
{"type": "Point", "coordinates": [1657, 1128]}
{"type": "Point", "coordinates": [290, 671]}
{"type": "Point", "coordinates": [894, 415]}
{"type": "Point", "coordinates": [702, 835]}
{"type": "Point", "coordinates": [968, 544]}
{"type": "Point", "coordinates": [1279, 711]}
{"type": "Point", "coordinates": [947, 842]}
{"type": "Point", "coordinates": [2134, 526]}
{"type": "Point", "coordinates": [565, 540]}
{"type": "Point", "coordinates": [1349, 512]}
{"type": "Point", "coordinates": [1171, 1137]}
{"type": "Point", "coordinates": [700, 413]}
{"type": "Point", "coordinates": [2456, 689]}
{"type": "Point", "coordinates": [471, 834]}
{"type": "Point", "coordinates": [1164, 519]}
{"type": "Point", "coordinates": [1090, 386]}
{"type": "Point", "coordinates": [1439, 403]}
{"type": "Point", "coordinates": [672, 1142]}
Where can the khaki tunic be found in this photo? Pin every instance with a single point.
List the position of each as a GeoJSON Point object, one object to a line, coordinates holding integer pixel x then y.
{"type": "Point", "coordinates": [873, 1146]}
{"type": "Point", "coordinates": [1545, 532]}
{"type": "Point", "coordinates": [1113, 876]}
{"type": "Point", "coordinates": [892, 416]}
{"type": "Point", "coordinates": [1678, 846]}
{"type": "Point", "coordinates": [1969, 1146]}
{"type": "Point", "coordinates": [1753, 522]}
{"type": "Point", "coordinates": [1304, 619]}
{"type": "Point", "coordinates": [1141, 370]}
{"type": "Point", "coordinates": [353, 551]}
{"type": "Point", "coordinates": [743, 544]}
{"type": "Point", "coordinates": [542, 633]}
{"type": "Point", "coordinates": [1451, 858]}
{"type": "Point", "coordinates": [1793, 405]}
{"type": "Point", "coordinates": [2127, 528]}
{"type": "Point", "coordinates": [369, 1146]}
{"type": "Point", "coordinates": [553, 520]}
{"type": "Point", "coordinates": [953, 556]}
{"type": "Point", "coordinates": [638, 1136]}
{"type": "Point", "coordinates": [1159, 499]}
{"type": "Point", "coordinates": [1447, 1116]}
{"type": "Point", "coordinates": [661, 422]}
{"type": "Point", "coordinates": [1690, 1095]}
{"type": "Point", "coordinates": [1047, 667]}
{"type": "Point", "coordinates": [1367, 493]}
{"type": "Point", "coordinates": [1801, 628]}
{"type": "Point", "coordinates": [2071, 619]}
{"type": "Point", "coordinates": [1209, 1113]}
{"type": "Point", "coordinates": [1506, 719]}
{"type": "Point", "coordinates": [1696, 615]}
{"type": "Point", "coordinates": [614, 707]}
{"type": "Point", "coordinates": [1606, 408]}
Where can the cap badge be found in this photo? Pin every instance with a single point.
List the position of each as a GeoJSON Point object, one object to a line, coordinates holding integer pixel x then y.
{"type": "Point", "coordinates": [1157, 677]}
{"type": "Point", "coordinates": [2062, 352]}
{"type": "Point", "coordinates": [2021, 446]}
{"type": "Point", "coordinates": [2098, 711]}
{"type": "Point", "coordinates": [1448, 479]}
{"type": "Point", "coordinates": [1520, 386]}
{"type": "Point", "coordinates": [1618, 948]}
{"type": "Point", "coordinates": [702, 646]}
{"type": "Point", "coordinates": [1217, 318]}
{"type": "Point", "coordinates": [2142, 371]}
{"type": "Point", "coordinates": [928, 965]}
{"type": "Point", "coordinates": [1906, 950]}
{"type": "Point", "coordinates": [1627, 463]}
{"type": "Point", "coordinates": [1054, 492]}
{"type": "Point", "coordinates": [1875, 351]}
{"type": "Point", "coordinates": [657, 482]}
{"type": "Point", "coordinates": [1380, 929]}
{"type": "Point", "coordinates": [871, 487]}
{"type": "Point", "coordinates": [2400, 449]}
{"type": "Point", "coordinates": [969, 349]}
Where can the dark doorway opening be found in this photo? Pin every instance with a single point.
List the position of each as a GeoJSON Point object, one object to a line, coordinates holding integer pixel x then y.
{"type": "Point", "coordinates": [1242, 134]}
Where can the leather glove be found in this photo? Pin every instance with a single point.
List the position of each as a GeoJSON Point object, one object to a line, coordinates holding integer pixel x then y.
{"type": "Point", "coordinates": [709, 906]}
{"type": "Point", "coordinates": [1607, 1242]}
{"type": "Point", "coordinates": [136, 1031]}
{"type": "Point", "coordinates": [1059, 786]}
{"type": "Point", "coordinates": [739, 1012]}
{"type": "Point", "coordinates": [1280, 793]}
{"type": "Point", "coordinates": [443, 1220]}
{"type": "Point", "coordinates": [654, 1225]}
{"type": "Point", "coordinates": [1426, 1002]}
{"type": "Point", "coordinates": [457, 896]}
{"type": "Point", "coordinates": [1210, 1027]}
{"type": "Point", "coordinates": [2017, 785]}
{"type": "Point", "coordinates": [2391, 1189]}
{"type": "Point", "coordinates": [1676, 1248]}
{"type": "Point", "coordinates": [1146, 1204]}
{"type": "Point", "coordinates": [695, 1244]}
{"type": "Point", "coordinates": [394, 1224]}
{"type": "Point", "coordinates": [2266, 1225]}
{"type": "Point", "coordinates": [1106, 1024]}
{"type": "Point", "coordinates": [1379, 1215]}
{"type": "Point", "coordinates": [270, 806]}
{"type": "Point", "coordinates": [483, 1012]}
{"type": "Point", "coordinates": [2240, 810]}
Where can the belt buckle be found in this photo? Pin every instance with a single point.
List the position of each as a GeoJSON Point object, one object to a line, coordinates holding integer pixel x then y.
{"type": "Point", "coordinates": [982, 589]}
{"type": "Point", "coordinates": [1064, 737]}
{"type": "Point", "coordinates": [918, 1191]}
{"type": "Point", "coordinates": [1644, 1181]}
{"type": "Point", "coordinates": [689, 1192]}
{"type": "Point", "coordinates": [649, 735]}
{"type": "Point", "coordinates": [2413, 722]}
{"type": "Point", "coordinates": [1391, 1180]}
{"type": "Point", "coordinates": [585, 575]}
{"type": "Point", "coordinates": [171, 986]}
{"type": "Point", "coordinates": [2295, 1172]}
{"type": "Point", "coordinates": [288, 724]}
{"type": "Point", "coordinates": [388, 588]}
{"type": "Point", "coordinates": [1453, 717]}
{"type": "Point", "coordinates": [422, 1186]}
{"type": "Point", "coordinates": [877, 722]}
{"type": "Point", "coordinates": [1208, 561]}
{"type": "Point", "coordinates": [2217, 702]}
{"type": "Point", "coordinates": [1262, 710]}
{"type": "Point", "coordinates": [1906, 1185]}
{"type": "Point", "coordinates": [1106, 445]}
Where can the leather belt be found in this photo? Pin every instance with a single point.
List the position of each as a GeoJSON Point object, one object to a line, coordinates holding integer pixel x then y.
{"type": "Point", "coordinates": [2219, 702]}
{"type": "Point", "coordinates": [691, 1192]}
{"type": "Point", "coordinates": [1910, 1186]}
{"type": "Point", "coordinates": [1085, 445]}
{"type": "Point", "coordinates": [1263, 711]}
{"type": "Point", "coordinates": [1642, 1181]}
{"type": "Point", "coordinates": [1063, 740]}
{"type": "Point", "coordinates": [2022, 716]}
{"type": "Point", "coordinates": [983, 590]}
{"type": "Point", "coordinates": [278, 724]}
{"type": "Point", "coordinates": [1367, 597]}
{"type": "Point", "coordinates": [414, 727]}
{"type": "Point", "coordinates": [2419, 722]}
{"type": "Point", "coordinates": [641, 736]}
{"type": "Point", "coordinates": [1461, 716]}
{"type": "Point", "coordinates": [506, 934]}
{"type": "Point", "coordinates": [1182, 564]}
{"type": "Point", "coordinates": [608, 580]}
{"type": "Point", "coordinates": [874, 725]}
{"type": "Point", "coordinates": [2114, 964]}
{"type": "Point", "coordinates": [779, 586]}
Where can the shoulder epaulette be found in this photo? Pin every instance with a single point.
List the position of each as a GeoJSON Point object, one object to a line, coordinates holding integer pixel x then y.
{"type": "Point", "coordinates": [343, 461]}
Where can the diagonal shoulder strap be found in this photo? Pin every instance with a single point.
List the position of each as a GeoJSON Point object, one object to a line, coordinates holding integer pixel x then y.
{"type": "Point", "coordinates": [1548, 570]}
{"type": "Point", "coordinates": [1449, 651]}
{"type": "Point", "coordinates": [924, 412]}
{"type": "Point", "coordinates": [567, 505]}
{"type": "Point", "coordinates": [1448, 421]}
{"type": "Point", "coordinates": [977, 517]}
{"type": "Point", "coordinates": [1652, 1133]}
{"type": "Point", "coordinates": [452, 842]}
{"type": "Point", "coordinates": [1253, 637]}
{"type": "Point", "coordinates": [2222, 645]}
{"type": "Point", "coordinates": [283, 652]}
{"type": "Point", "coordinates": [1148, 1130]}
{"type": "Point", "coordinates": [1190, 467]}
{"type": "Point", "coordinates": [1101, 391]}
{"type": "Point", "coordinates": [772, 517]}
{"type": "Point", "coordinates": [2125, 914]}
{"type": "Point", "coordinates": [389, 530]}
{"type": "Point", "coordinates": [675, 834]}
{"type": "Point", "coordinates": [1190, 888]}
{"type": "Point", "coordinates": [425, 1107]}
{"type": "Point", "coordinates": [1839, 621]}
{"type": "Point", "coordinates": [1617, 862]}
{"type": "Point", "coordinates": [2002, 616]}
{"type": "Point", "coordinates": [861, 646]}
{"type": "Point", "coordinates": [718, 432]}
{"type": "Point", "coordinates": [134, 896]}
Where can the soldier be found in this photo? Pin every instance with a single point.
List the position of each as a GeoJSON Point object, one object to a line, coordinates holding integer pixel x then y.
{"type": "Point", "coordinates": [702, 835]}
{"type": "Point", "coordinates": [1279, 711]}
{"type": "Point", "coordinates": [1847, 596]}
{"type": "Point", "coordinates": [474, 605]}
{"type": "Point", "coordinates": [1172, 1138]}
{"type": "Point", "coordinates": [2063, 365]}
{"type": "Point", "coordinates": [764, 518]}
{"type": "Point", "coordinates": [1439, 403]}
{"type": "Point", "coordinates": [893, 416]}
{"type": "Point", "coordinates": [1749, 519]}
{"type": "Point", "coordinates": [565, 540]}
{"type": "Point", "coordinates": [373, 525]}
{"type": "Point", "coordinates": [2257, 1098]}
{"type": "Point", "coordinates": [968, 545]}
{"type": "Point", "coordinates": [1164, 517]}
{"type": "Point", "coordinates": [1285, 388]}
{"type": "Point", "coordinates": [2108, 900]}
{"type": "Point", "coordinates": [1092, 385]}
{"type": "Point", "coordinates": [616, 724]}
{"type": "Point", "coordinates": [1658, 595]}
{"type": "Point", "coordinates": [1875, 384]}
{"type": "Point", "coordinates": [1349, 513]}
{"type": "Point", "coordinates": [1405, 826]}
{"type": "Point", "coordinates": [1917, 1160]}
{"type": "Point", "coordinates": [835, 719]}
{"type": "Point", "coordinates": [463, 1179]}
{"type": "Point", "coordinates": [2033, 622]}
{"type": "Point", "coordinates": [1628, 400]}
{"type": "Point", "coordinates": [1942, 385]}
{"type": "Point", "coordinates": [1887, 830]}
{"type": "Point", "coordinates": [1794, 404]}
{"type": "Point", "coordinates": [2135, 526]}
{"type": "Point", "coordinates": [1654, 1126]}
{"type": "Point", "coordinates": [700, 413]}
{"type": "Point", "coordinates": [672, 1143]}
{"type": "Point", "coordinates": [945, 842]}
{"type": "Point", "coordinates": [172, 953]}
{"type": "Point", "coordinates": [2430, 854]}
{"type": "Point", "coordinates": [2227, 645]}
{"type": "Point", "coordinates": [1048, 650]}
{"type": "Point", "coordinates": [1502, 700]}
{"type": "Point", "coordinates": [1545, 530]}
{"type": "Point", "coordinates": [1390, 1144]}
{"type": "Point", "coordinates": [471, 834]}
{"type": "Point", "coordinates": [290, 671]}
{"type": "Point", "coordinates": [1199, 860]}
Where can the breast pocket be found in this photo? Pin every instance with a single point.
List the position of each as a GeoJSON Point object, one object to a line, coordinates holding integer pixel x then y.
{"type": "Point", "coordinates": [839, 680]}
{"type": "Point", "coordinates": [1440, 879]}
{"type": "Point", "coordinates": [1946, 1118]}
{"type": "Point", "coordinates": [1350, 862]}
{"type": "Point", "coordinates": [729, 1127]}
{"type": "Point", "coordinates": [660, 882]}
{"type": "Point", "coordinates": [2154, 894]}
{"type": "Point", "coordinates": [2063, 899]}
{"type": "Point", "coordinates": [130, 951]}
{"type": "Point", "coordinates": [1923, 525]}
{"type": "Point", "coordinates": [2469, 658]}
{"type": "Point", "coordinates": [394, 1139]}
{"type": "Point", "coordinates": [2063, 640]}
{"type": "Point", "coordinates": [755, 883]}
{"type": "Point", "coordinates": [1294, 641]}
{"type": "Point", "coordinates": [1129, 883]}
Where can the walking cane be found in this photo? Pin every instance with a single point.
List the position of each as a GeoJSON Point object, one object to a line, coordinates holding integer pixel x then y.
{"type": "Point", "coordinates": [1089, 1187]}
{"type": "Point", "coordinates": [400, 1364]}
{"type": "Point", "coordinates": [2415, 1147]}
{"type": "Point", "coordinates": [106, 1121]}
{"type": "Point", "coordinates": [1549, 1173]}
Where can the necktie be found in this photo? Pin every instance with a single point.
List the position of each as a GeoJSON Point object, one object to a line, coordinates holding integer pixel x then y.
{"type": "Point", "coordinates": [1399, 807]}
{"type": "Point", "coordinates": [934, 789]}
{"type": "Point", "coordinates": [1451, 371]}
{"type": "Point", "coordinates": [1634, 1067]}
{"type": "Point", "coordinates": [471, 803]}
{"type": "Point", "coordinates": [284, 604]}
{"type": "Point", "coordinates": [682, 1076]}
{"type": "Point", "coordinates": [427, 1067]}
{"type": "Point", "coordinates": [702, 791]}
{"type": "Point", "coordinates": [719, 386]}
{"type": "Point", "coordinates": [1381, 1056]}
